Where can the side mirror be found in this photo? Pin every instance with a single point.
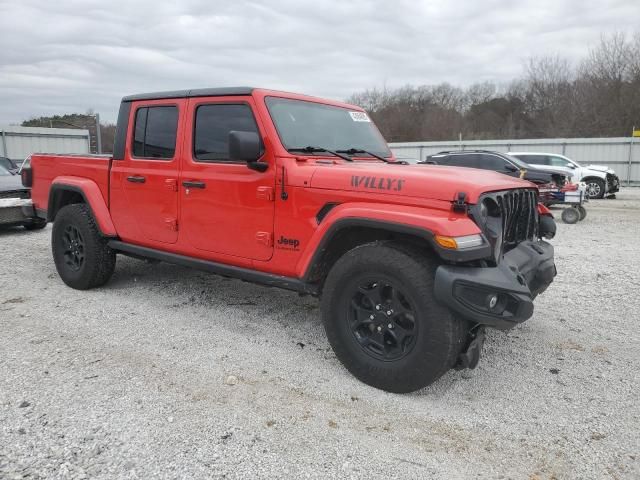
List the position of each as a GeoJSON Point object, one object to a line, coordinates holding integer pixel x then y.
{"type": "Point", "coordinates": [510, 168]}
{"type": "Point", "coordinates": [245, 147]}
{"type": "Point", "coordinates": [572, 166]}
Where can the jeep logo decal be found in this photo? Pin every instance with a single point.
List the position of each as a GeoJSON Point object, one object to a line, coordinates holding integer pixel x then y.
{"type": "Point", "coordinates": [375, 183]}
{"type": "Point", "coordinates": [288, 243]}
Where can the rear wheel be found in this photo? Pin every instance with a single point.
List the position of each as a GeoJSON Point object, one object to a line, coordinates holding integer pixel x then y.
{"type": "Point", "coordinates": [383, 322]}
{"type": "Point", "coordinates": [80, 252]}
{"type": "Point", "coordinates": [595, 188]}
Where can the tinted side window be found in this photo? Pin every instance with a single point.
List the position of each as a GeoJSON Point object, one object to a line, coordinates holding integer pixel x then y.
{"type": "Point", "coordinates": [535, 159]}
{"type": "Point", "coordinates": [212, 126]}
{"type": "Point", "coordinates": [155, 132]}
{"type": "Point", "coordinates": [490, 162]}
{"type": "Point", "coordinates": [460, 161]}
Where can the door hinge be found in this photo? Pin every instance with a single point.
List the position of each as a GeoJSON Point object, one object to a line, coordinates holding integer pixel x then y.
{"type": "Point", "coordinates": [265, 193]}
{"type": "Point", "coordinates": [172, 224]}
{"type": "Point", "coordinates": [171, 184]}
{"type": "Point", "coordinates": [266, 238]}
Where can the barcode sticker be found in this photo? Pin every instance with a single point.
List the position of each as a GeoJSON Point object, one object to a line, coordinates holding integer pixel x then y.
{"type": "Point", "coordinates": [359, 117]}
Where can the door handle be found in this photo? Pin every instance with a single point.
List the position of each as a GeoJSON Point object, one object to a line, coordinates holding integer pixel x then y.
{"type": "Point", "coordinates": [136, 179]}
{"type": "Point", "coordinates": [193, 184]}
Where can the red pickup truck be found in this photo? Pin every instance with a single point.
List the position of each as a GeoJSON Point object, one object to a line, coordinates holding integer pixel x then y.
{"type": "Point", "coordinates": [411, 262]}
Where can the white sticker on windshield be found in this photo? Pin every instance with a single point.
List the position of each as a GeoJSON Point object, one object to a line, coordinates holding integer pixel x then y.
{"type": "Point", "coordinates": [359, 117]}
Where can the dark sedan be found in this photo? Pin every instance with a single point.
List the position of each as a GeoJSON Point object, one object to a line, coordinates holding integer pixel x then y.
{"type": "Point", "coordinates": [499, 162]}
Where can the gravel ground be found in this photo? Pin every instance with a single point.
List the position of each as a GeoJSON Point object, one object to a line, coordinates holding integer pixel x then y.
{"type": "Point", "coordinates": [172, 373]}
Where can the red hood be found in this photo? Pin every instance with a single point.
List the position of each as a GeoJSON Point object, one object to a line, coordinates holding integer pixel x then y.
{"type": "Point", "coordinates": [424, 181]}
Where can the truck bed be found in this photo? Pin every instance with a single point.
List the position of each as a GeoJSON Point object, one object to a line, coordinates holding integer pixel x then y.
{"type": "Point", "coordinates": [46, 167]}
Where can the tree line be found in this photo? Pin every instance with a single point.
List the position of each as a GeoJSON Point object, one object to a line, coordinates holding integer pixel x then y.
{"type": "Point", "coordinates": [598, 97]}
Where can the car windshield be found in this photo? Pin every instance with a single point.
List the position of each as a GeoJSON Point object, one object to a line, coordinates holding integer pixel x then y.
{"type": "Point", "coordinates": [519, 163]}
{"type": "Point", "coordinates": [6, 163]}
{"type": "Point", "coordinates": [3, 171]}
{"type": "Point", "coordinates": [301, 124]}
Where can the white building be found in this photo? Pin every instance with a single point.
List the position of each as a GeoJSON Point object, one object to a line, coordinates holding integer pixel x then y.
{"type": "Point", "coordinates": [17, 143]}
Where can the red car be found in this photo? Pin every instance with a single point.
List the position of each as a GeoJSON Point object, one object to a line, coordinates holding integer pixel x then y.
{"type": "Point", "coordinates": [411, 262]}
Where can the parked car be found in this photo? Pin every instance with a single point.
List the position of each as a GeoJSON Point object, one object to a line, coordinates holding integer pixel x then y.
{"type": "Point", "coordinates": [9, 165]}
{"type": "Point", "coordinates": [303, 193]}
{"type": "Point", "coordinates": [15, 203]}
{"type": "Point", "coordinates": [499, 162]}
{"type": "Point", "coordinates": [600, 180]}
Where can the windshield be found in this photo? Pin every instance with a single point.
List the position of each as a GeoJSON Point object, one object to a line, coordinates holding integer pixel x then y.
{"type": "Point", "coordinates": [301, 124]}
{"type": "Point", "coordinates": [6, 163]}
{"type": "Point", "coordinates": [519, 163]}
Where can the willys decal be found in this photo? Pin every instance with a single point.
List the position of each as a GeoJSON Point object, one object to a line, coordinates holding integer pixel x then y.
{"type": "Point", "coordinates": [375, 183]}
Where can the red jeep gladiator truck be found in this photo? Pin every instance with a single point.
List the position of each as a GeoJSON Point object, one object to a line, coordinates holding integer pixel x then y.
{"type": "Point", "coordinates": [410, 262]}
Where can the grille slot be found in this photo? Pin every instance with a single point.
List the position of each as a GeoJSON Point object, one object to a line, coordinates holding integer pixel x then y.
{"type": "Point", "coordinates": [518, 209]}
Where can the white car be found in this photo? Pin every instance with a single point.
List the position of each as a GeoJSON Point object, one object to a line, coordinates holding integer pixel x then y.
{"type": "Point", "coordinates": [600, 180]}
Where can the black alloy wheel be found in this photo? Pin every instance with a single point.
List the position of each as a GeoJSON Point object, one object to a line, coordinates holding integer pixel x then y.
{"type": "Point", "coordinates": [73, 248]}
{"type": "Point", "coordinates": [382, 320]}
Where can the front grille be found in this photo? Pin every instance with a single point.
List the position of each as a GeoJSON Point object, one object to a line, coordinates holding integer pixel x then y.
{"type": "Point", "coordinates": [15, 194]}
{"type": "Point", "coordinates": [519, 209]}
{"type": "Point", "coordinates": [510, 217]}
{"type": "Point", "coordinates": [613, 183]}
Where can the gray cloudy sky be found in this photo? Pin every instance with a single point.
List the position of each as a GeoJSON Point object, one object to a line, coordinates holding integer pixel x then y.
{"type": "Point", "coordinates": [63, 56]}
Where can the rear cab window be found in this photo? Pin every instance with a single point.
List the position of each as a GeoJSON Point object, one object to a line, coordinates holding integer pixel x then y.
{"type": "Point", "coordinates": [155, 132]}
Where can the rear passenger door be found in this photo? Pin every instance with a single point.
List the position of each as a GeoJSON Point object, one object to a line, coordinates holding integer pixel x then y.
{"type": "Point", "coordinates": [147, 176]}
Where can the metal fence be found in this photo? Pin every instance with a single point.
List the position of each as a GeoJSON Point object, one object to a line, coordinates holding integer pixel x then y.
{"type": "Point", "coordinates": [17, 143]}
{"type": "Point", "coordinates": [622, 154]}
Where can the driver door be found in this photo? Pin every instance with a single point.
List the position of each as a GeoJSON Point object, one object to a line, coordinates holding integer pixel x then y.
{"type": "Point", "coordinates": [225, 207]}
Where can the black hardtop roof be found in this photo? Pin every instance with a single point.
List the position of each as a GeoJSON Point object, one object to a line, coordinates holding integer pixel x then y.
{"type": "Point", "coordinates": [197, 92]}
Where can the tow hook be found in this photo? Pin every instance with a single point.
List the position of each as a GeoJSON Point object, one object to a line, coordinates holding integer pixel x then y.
{"type": "Point", "coordinates": [470, 357]}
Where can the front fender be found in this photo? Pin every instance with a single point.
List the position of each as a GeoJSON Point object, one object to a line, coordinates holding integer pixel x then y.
{"type": "Point", "coordinates": [420, 221]}
{"type": "Point", "coordinates": [92, 195]}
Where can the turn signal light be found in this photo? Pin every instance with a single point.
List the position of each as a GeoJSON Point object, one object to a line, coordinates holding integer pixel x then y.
{"type": "Point", "coordinates": [459, 243]}
{"type": "Point", "coordinates": [446, 242]}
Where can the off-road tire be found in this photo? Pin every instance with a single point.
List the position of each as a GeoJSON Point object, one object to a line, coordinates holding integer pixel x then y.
{"type": "Point", "coordinates": [440, 335]}
{"type": "Point", "coordinates": [570, 215]}
{"type": "Point", "coordinates": [600, 183]}
{"type": "Point", "coordinates": [583, 212]}
{"type": "Point", "coordinates": [37, 224]}
{"type": "Point", "coordinates": [99, 260]}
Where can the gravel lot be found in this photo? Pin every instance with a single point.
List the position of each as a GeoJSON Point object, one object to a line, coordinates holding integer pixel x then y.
{"type": "Point", "coordinates": [131, 380]}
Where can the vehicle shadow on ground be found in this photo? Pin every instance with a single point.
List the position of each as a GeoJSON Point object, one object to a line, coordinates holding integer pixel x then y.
{"type": "Point", "coordinates": [175, 288]}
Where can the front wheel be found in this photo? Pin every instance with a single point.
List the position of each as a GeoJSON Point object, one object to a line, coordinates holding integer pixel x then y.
{"type": "Point", "coordinates": [383, 322]}
{"type": "Point", "coordinates": [595, 188]}
{"type": "Point", "coordinates": [82, 257]}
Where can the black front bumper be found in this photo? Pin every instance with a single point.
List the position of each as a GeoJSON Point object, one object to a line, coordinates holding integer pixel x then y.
{"type": "Point", "coordinates": [613, 183]}
{"type": "Point", "coordinates": [500, 296]}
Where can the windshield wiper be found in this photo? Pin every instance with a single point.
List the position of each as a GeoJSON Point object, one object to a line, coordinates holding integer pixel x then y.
{"type": "Point", "coordinates": [354, 151]}
{"type": "Point", "coordinates": [311, 149]}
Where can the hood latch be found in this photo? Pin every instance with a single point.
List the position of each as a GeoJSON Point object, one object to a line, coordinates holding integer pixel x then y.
{"type": "Point", "coordinates": [460, 203]}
